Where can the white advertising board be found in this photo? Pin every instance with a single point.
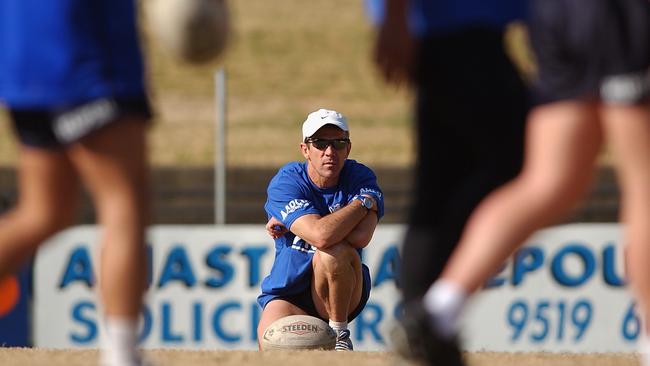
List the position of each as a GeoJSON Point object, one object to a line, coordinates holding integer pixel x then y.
{"type": "Point", "coordinates": [562, 292]}
{"type": "Point", "coordinates": [203, 288]}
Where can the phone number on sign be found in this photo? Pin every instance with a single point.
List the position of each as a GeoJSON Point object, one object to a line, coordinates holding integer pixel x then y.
{"type": "Point", "coordinates": [561, 320]}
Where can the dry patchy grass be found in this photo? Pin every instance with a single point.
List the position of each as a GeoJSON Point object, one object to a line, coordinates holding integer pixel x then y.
{"type": "Point", "coordinates": [286, 59]}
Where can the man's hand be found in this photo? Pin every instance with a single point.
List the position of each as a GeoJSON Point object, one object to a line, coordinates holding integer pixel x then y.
{"type": "Point", "coordinates": [275, 228]}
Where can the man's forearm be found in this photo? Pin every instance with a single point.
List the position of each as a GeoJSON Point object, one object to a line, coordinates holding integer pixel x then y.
{"type": "Point", "coordinates": [361, 235]}
{"type": "Point", "coordinates": [336, 226]}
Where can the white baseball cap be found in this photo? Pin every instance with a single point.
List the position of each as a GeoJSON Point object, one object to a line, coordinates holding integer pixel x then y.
{"type": "Point", "coordinates": [316, 120]}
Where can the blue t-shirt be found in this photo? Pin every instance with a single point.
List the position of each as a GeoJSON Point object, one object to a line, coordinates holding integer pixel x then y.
{"type": "Point", "coordinates": [439, 16]}
{"type": "Point", "coordinates": [292, 194]}
{"type": "Point", "coordinates": [58, 53]}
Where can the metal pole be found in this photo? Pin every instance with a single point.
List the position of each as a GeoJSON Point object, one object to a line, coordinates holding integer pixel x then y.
{"type": "Point", "coordinates": [220, 148]}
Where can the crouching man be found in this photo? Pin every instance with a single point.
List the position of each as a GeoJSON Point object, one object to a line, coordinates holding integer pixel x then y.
{"type": "Point", "coordinates": [322, 213]}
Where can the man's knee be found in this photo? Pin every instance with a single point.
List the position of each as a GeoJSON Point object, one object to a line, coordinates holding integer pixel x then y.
{"type": "Point", "coordinates": [275, 310]}
{"type": "Point", "coordinates": [336, 258]}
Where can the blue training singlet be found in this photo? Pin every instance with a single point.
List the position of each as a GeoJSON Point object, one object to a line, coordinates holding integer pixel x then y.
{"type": "Point", "coordinates": [291, 194]}
{"type": "Point", "coordinates": [57, 53]}
{"type": "Point", "coordinates": [428, 17]}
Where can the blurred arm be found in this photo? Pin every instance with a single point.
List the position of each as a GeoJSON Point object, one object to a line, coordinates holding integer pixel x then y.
{"type": "Point", "coordinates": [394, 47]}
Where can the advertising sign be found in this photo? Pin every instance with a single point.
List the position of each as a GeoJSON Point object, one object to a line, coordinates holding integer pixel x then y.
{"type": "Point", "coordinates": [14, 308]}
{"type": "Point", "coordinates": [202, 292]}
{"type": "Point", "coordinates": [563, 291]}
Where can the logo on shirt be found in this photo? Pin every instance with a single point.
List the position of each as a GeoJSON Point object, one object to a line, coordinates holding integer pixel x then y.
{"type": "Point", "coordinates": [335, 208]}
{"type": "Point", "coordinates": [292, 206]}
{"type": "Point", "coordinates": [303, 246]}
{"type": "Point", "coordinates": [371, 191]}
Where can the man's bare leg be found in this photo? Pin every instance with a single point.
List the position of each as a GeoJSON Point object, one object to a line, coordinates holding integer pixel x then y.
{"type": "Point", "coordinates": [273, 311]}
{"type": "Point", "coordinates": [337, 286]}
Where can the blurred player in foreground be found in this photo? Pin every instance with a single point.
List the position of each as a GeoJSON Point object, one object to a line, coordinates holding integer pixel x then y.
{"type": "Point", "coordinates": [71, 75]}
{"type": "Point", "coordinates": [322, 213]}
{"type": "Point", "coordinates": [470, 115]}
{"type": "Point", "coordinates": [593, 84]}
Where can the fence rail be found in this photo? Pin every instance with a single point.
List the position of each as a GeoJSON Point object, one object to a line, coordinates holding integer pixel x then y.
{"type": "Point", "coordinates": [186, 196]}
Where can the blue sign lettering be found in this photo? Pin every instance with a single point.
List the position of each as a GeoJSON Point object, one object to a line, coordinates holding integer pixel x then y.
{"type": "Point", "coordinates": [217, 259]}
{"type": "Point", "coordinates": [79, 314]}
{"type": "Point", "coordinates": [584, 254]}
{"type": "Point", "coordinates": [167, 332]}
{"type": "Point", "coordinates": [216, 322]}
{"type": "Point", "coordinates": [526, 260]}
{"type": "Point", "coordinates": [538, 318]}
{"type": "Point", "coordinates": [254, 256]}
{"type": "Point", "coordinates": [198, 321]}
{"type": "Point", "coordinates": [79, 268]}
{"type": "Point", "coordinates": [530, 259]}
{"type": "Point", "coordinates": [369, 320]}
{"type": "Point", "coordinates": [177, 268]}
{"type": "Point", "coordinates": [389, 267]}
{"type": "Point", "coordinates": [609, 268]}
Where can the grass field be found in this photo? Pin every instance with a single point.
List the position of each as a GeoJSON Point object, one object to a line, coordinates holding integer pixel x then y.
{"type": "Point", "coordinates": [22, 357]}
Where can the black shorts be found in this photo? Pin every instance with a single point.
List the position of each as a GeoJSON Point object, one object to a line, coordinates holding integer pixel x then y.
{"type": "Point", "coordinates": [591, 49]}
{"type": "Point", "coordinates": [57, 128]}
{"type": "Point", "coordinates": [305, 301]}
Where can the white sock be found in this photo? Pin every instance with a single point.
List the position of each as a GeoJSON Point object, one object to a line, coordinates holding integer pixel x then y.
{"type": "Point", "coordinates": [338, 325]}
{"type": "Point", "coordinates": [444, 301]}
{"type": "Point", "coordinates": [120, 342]}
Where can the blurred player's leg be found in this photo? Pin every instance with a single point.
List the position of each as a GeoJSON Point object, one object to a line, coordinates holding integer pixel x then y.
{"type": "Point", "coordinates": [628, 131]}
{"type": "Point", "coordinates": [112, 164]}
{"type": "Point", "coordinates": [563, 140]}
{"type": "Point", "coordinates": [48, 197]}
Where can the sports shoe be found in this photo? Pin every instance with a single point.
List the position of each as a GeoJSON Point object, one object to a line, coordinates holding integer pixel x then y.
{"type": "Point", "coordinates": [343, 341]}
{"type": "Point", "coordinates": [414, 340]}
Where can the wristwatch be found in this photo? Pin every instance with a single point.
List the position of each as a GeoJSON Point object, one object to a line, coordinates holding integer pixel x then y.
{"type": "Point", "coordinates": [365, 202]}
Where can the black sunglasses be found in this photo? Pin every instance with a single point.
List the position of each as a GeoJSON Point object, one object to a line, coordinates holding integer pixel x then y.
{"type": "Point", "coordinates": [322, 144]}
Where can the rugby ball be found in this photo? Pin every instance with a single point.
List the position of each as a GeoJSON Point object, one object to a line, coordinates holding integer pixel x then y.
{"type": "Point", "coordinates": [298, 332]}
{"type": "Point", "coordinates": [194, 31]}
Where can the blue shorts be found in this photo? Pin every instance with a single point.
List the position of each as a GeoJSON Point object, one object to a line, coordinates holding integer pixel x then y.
{"type": "Point", "coordinates": [58, 127]}
{"type": "Point", "coordinates": [304, 300]}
